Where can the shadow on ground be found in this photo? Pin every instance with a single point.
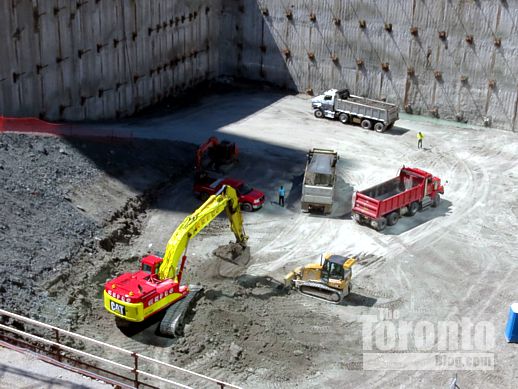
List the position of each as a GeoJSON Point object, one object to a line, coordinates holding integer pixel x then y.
{"type": "Point", "coordinates": [396, 131]}
{"type": "Point", "coordinates": [140, 159]}
{"type": "Point", "coordinates": [357, 300]}
{"type": "Point", "coordinates": [406, 223]}
{"type": "Point", "coordinates": [37, 380]}
{"type": "Point", "coordinates": [145, 332]}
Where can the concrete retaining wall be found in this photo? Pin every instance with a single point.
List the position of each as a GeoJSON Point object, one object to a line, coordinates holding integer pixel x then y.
{"type": "Point", "coordinates": [92, 59]}
{"type": "Point", "coordinates": [454, 59]}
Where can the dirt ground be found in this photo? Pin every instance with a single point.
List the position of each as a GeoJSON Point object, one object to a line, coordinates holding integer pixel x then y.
{"type": "Point", "coordinates": [76, 213]}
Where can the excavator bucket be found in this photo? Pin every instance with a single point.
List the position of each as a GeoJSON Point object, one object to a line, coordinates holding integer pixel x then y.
{"type": "Point", "coordinates": [234, 253]}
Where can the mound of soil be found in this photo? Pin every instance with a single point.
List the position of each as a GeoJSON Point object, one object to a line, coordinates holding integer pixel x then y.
{"type": "Point", "coordinates": [50, 242]}
{"type": "Point", "coordinates": [234, 253]}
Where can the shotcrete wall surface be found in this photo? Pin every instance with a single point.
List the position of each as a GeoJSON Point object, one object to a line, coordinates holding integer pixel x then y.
{"type": "Point", "coordinates": [453, 59]}
{"type": "Point", "coordinates": [75, 60]}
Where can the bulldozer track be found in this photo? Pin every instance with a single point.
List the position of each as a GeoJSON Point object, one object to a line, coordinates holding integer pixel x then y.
{"type": "Point", "coordinates": [306, 287]}
{"type": "Point", "coordinates": [173, 322]}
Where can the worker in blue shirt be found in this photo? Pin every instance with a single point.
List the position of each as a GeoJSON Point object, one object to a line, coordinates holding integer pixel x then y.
{"type": "Point", "coordinates": [281, 196]}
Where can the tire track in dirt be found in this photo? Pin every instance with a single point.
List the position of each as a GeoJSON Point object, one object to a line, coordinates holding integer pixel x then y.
{"type": "Point", "coordinates": [401, 244]}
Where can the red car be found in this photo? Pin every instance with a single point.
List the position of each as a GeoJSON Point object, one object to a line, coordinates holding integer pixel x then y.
{"type": "Point", "coordinates": [249, 198]}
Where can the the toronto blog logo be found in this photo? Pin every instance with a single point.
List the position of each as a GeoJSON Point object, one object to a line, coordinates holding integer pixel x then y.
{"type": "Point", "coordinates": [390, 343]}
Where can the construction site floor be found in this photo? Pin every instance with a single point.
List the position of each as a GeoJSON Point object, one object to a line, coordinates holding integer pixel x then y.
{"type": "Point", "coordinates": [78, 212]}
{"type": "Point", "coordinates": [22, 371]}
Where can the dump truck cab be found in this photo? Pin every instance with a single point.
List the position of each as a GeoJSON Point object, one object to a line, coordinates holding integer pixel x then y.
{"type": "Point", "coordinates": [326, 102]}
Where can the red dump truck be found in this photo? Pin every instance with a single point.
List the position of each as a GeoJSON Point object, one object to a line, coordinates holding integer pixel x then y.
{"type": "Point", "coordinates": [412, 190]}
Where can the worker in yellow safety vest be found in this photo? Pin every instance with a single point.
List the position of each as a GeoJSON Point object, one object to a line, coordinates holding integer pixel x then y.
{"type": "Point", "coordinates": [420, 137]}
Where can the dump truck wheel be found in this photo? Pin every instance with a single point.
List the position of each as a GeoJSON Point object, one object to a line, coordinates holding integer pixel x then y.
{"type": "Point", "coordinates": [343, 117]}
{"type": "Point", "coordinates": [382, 223]}
{"type": "Point", "coordinates": [366, 123]}
{"type": "Point", "coordinates": [392, 218]}
{"type": "Point", "coordinates": [413, 208]}
{"type": "Point", "coordinates": [318, 113]}
{"type": "Point", "coordinates": [247, 207]}
{"type": "Point", "coordinates": [436, 201]}
{"type": "Point", "coordinates": [379, 127]}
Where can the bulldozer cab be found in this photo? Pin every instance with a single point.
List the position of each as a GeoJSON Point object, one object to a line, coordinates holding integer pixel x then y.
{"type": "Point", "coordinates": [333, 268]}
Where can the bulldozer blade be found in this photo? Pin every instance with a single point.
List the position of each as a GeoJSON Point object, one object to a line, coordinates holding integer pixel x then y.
{"type": "Point", "coordinates": [234, 253]}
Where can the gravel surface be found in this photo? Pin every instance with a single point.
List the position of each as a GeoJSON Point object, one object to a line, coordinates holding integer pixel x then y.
{"type": "Point", "coordinates": [454, 262]}
{"type": "Point", "coordinates": [24, 371]}
{"type": "Point", "coordinates": [61, 202]}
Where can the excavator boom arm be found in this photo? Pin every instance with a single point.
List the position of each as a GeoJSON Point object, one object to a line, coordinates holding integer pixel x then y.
{"type": "Point", "coordinates": [226, 199]}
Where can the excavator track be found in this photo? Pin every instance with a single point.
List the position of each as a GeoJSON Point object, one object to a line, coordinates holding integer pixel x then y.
{"type": "Point", "coordinates": [319, 291]}
{"type": "Point", "coordinates": [173, 323]}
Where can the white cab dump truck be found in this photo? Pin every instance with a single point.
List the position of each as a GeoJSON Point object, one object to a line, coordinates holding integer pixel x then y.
{"type": "Point", "coordinates": [319, 180]}
{"type": "Point", "coordinates": [370, 114]}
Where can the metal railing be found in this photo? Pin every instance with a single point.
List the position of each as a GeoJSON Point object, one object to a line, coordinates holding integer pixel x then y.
{"type": "Point", "coordinates": [103, 367]}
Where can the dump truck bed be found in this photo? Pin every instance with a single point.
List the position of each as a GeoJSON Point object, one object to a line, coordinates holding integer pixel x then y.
{"type": "Point", "coordinates": [388, 196]}
{"type": "Point", "coordinates": [319, 180]}
{"type": "Point", "coordinates": [368, 108]}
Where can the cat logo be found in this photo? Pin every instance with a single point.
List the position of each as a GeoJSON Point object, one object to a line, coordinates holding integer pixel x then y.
{"type": "Point", "coordinates": [117, 308]}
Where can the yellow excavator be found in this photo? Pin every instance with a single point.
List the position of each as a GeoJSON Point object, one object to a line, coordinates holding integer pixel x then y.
{"type": "Point", "coordinates": [329, 280]}
{"type": "Point", "coordinates": [157, 285]}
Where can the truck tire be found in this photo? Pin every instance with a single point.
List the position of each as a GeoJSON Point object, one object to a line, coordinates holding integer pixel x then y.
{"type": "Point", "coordinates": [247, 207]}
{"type": "Point", "coordinates": [392, 218]}
{"type": "Point", "coordinates": [318, 113]}
{"type": "Point", "coordinates": [379, 127]}
{"type": "Point", "coordinates": [382, 223]}
{"type": "Point", "coordinates": [436, 201]}
{"type": "Point", "coordinates": [413, 208]}
{"type": "Point", "coordinates": [343, 117]}
{"type": "Point", "coordinates": [204, 196]}
{"type": "Point", "coordinates": [366, 123]}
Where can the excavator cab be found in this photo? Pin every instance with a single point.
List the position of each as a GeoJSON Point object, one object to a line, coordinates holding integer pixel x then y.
{"type": "Point", "coordinates": [151, 264]}
{"type": "Point", "coordinates": [213, 153]}
{"type": "Point", "coordinates": [222, 153]}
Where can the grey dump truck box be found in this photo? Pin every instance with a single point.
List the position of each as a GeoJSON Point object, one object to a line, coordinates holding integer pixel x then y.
{"type": "Point", "coordinates": [369, 109]}
{"type": "Point", "coordinates": [319, 180]}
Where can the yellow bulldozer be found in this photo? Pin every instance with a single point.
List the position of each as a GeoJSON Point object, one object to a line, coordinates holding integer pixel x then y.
{"type": "Point", "coordinates": [329, 280]}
